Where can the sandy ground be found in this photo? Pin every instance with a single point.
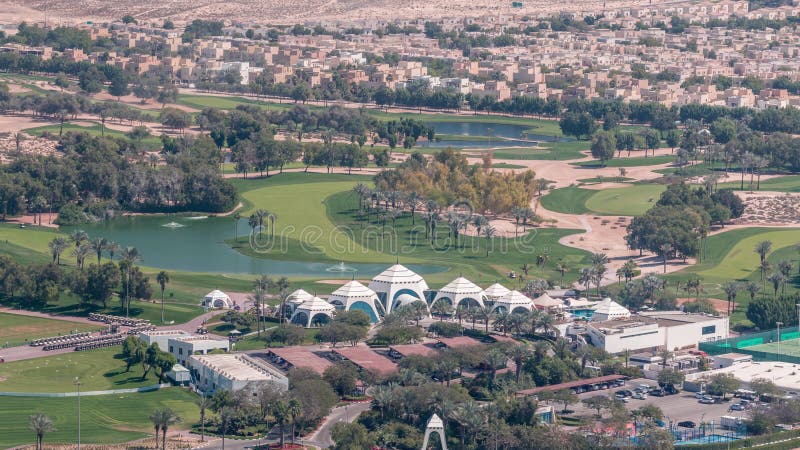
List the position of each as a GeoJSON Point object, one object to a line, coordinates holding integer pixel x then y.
{"type": "Point", "coordinates": [132, 100]}
{"type": "Point", "coordinates": [31, 219]}
{"type": "Point", "coordinates": [280, 11]}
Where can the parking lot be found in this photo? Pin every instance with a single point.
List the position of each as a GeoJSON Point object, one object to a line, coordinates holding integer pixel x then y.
{"type": "Point", "coordinates": [677, 408]}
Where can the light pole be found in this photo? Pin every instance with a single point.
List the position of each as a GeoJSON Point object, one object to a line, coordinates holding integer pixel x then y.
{"type": "Point", "coordinates": [779, 338]}
{"type": "Point", "coordinates": [77, 383]}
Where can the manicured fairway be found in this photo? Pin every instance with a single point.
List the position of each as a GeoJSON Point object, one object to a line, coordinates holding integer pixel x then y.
{"type": "Point", "coordinates": [550, 151]}
{"type": "Point", "coordinates": [568, 200]}
{"type": "Point", "coordinates": [635, 161]}
{"type": "Point", "coordinates": [741, 261]}
{"type": "Point", "coordinates": [98, 370]}
{"type": "Point", "coordinates": [18, 330]}
{"type": "Point", "coordinates": [628, 201]}
{"type": "Point", "coordinates": [105, 419]}
{"type": "Point", "coordinates": [789, 183]}
{"type": "Point", "coordinates": [94, 130]}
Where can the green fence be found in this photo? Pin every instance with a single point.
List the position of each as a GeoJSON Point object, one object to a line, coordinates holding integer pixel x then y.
{"type": "Point", "coordinates": [763, 346]}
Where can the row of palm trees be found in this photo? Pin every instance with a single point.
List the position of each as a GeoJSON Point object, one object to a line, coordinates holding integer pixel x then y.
{"type": "Point", "coordinates": [258, 220]}
{"type": "Point", "coordinates": [531, 322]}
{"type": "Point", "coordinates": [84, 246]}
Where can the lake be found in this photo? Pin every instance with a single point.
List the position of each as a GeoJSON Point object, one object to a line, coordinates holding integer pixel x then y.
{"type": "Point", "coordinates": [197, 245]}
{"type": "Point", "coordinates": [504, 135]}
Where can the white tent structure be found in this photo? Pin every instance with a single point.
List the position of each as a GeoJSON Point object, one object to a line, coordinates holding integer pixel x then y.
{"type": "Point", "coordinates": [217, 299]}
{"type": "Point", "coordinates": [495, 292]}
{"type": "Point", "coordinates": [296, 299]}
{"type": "Point", "coordinates": [548, 303]}
{"type": "Point", "coordinates": [513, 302]}
{"type": "Point", "coordinates": [460, 292]}
{"type": "Point", "coordinates": [356, 296]}
{"type": "Point", "coordinates": [609, 310]}
{"type": "Point", "coordinates": [313, 312]}
{"type": "Point", "coordinates": [398, 286]}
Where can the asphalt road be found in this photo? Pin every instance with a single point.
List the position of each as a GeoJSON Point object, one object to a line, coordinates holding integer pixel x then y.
{"type": "Point", "coordinates": [678, 407]}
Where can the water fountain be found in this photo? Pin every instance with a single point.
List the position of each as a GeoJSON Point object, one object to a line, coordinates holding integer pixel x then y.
{"type": "Point", "coordinates": [173, 225]}
{"type": "Point", "coordinates": [341, 268]}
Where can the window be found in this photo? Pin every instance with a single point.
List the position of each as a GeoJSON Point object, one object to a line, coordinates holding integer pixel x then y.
{"type": "Point", "coordinates": [180, 351]}
{"type": "Point", "coordinates": [711, 329]}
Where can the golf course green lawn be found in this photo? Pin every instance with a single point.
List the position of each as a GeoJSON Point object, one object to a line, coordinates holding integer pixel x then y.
{"type": "Point", "coordinates": [94, 130]}
{"type": "Point", "coordinates": [546, 151]}
{"type": "Point", "coordinates": [633, 200]}
{"type": "Point", "coordinates": [18, 330]}
{"type": "Point", "coordinates": [105, 419]}
{"type": "Point", "coordinates": [636, 161]}
{"type": "Point", "coordinates": [506, 166]}
{"type": "Point", "coordinates": [98, 370]}
{"type": "Point", "coordinates": [788, 183]}
{"type": "Point", "coordinates": [733, 257]}
{"type": "Point", "coordinates": [595, 180]}
{"type": "Point", "coordinates": [627, 201]}
{"type": "Point", "coordinates": [568, 200]}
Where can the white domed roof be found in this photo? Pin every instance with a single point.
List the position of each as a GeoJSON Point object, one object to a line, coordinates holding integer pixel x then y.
{"type": "Point", "coordinates": [216, 294]}
{"type": "Point", "coordinates": [398, 273]}
{"type": "Point", "coordinates": [546, 301]}
{"type": "Point", "coordinates": [515, 298]}
{"type": "Point", "coordinates": [299, 296]}
{"type": "Point", "coordinates": [496, 290]}
{"type": "Point", "coordinates": [461, 286]}
{"type": "Point", "coordinates": [316, 304]}
{"type": "Point", "coordinates": [353, 289]}
{"type": "Point", "coordinates": [609, 309]}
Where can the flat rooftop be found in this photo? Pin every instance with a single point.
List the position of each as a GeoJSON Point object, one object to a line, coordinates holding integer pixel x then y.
{"type": "Point", "coordinates": [414, 349]}
{"type": "Point", "coordinates": [367, 359]}
{"type": "Point", "coordinates": [458, 341]}
{"type": "Point", "coordinates": [198, 338]}
{"type": "Point", "coordinates": [299, 356]}
{"type": "Point", "coordinates": [238, 367]}
{"type": "Point", "coordinates": [785, 375]}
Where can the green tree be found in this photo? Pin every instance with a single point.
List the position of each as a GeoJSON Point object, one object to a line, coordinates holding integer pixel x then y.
{"type": "Point", "coordinates": [604, 145]}
{"type": "Point", "coordinates": [162, 278]}
{"type": "Point", "coordinates": [350, 436]}
{"type": "Point", "coordinates": [281, 413]}
{"type": "Point", "coordinates": [722, 384]}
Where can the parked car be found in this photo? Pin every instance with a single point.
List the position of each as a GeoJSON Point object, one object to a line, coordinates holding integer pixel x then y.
{"type": "Point", "coordinates": [737, 407]}
{"type": "Point", "coordinates": [699, 395]}
{"type": "Point", "coordinates": [624, 392]}
{"type": "Point", "coordinates": [657, 393]}
{"type": "Point", "coordinates": [687, 424]}
{"type": "Point", "coordinates": [644, 387]}
{"type": "Point", "coordinates": [639, 396]}
{"type": "Point", "coordinates": [707, 401]}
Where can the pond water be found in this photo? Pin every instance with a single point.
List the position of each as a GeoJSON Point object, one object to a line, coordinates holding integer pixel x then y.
{"type": "Point", "coordinates": [502, 135]}
{"type": "Point", "coordinates": [196, 244]}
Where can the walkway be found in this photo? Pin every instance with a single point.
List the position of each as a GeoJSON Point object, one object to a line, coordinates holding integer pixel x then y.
{"type": "Point", "coordinates": [347, 413]}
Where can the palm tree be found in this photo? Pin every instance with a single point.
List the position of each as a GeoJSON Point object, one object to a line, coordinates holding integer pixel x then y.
{"type": "Point", "coordinates": [295, 409]}
{"type": "Point", "coordinates": [57, 247]}
{"type": "Point", "coordinates": [777, 279]}
{"type": "Point", "coordinates": [130, 255]}
{"type": "Point", "coordinates": [162, 278]}
{"type": "Point", "coordinates": [562, 268]}
{"type": "Point", "coordinates": [519, 354]}
{"type": "Point", "coordinates": [383, 396]}
{"type": "Point", "coordinates": [167, 418]}
{"type": "Point", "coordinates": [494, 360]}
{"type": "Point", "coordinates": [731, 288]}
{"type": "Point", "coordinates": [203, 403]}
{"type": "Point", "coordinates": [40, 424]}
{"type": "Point", "coordinates": [98, 245]}
{"type": "Point", "coordinates": [489, 233]}
{"type": "Point", "coordinates": [80, 253]}
{"type": "Point", "coordinates": [236, 217]}
{"type": "Point", "coordinates": [765, 267]}
{"type": "Point", "coordinates": [666, 250]}
{"type": "Point", "coordinates": [78, 237]}
{"type": "Point", "coordinates": [155, 417]}
{"type": "Point", "coordinates": [501, 319]}
{"type": "Point", "coordinates": [413, 200]}
{"type": "Point", "coordinates": [225, 416]}
{"type": "Point", "coordinates": [483, 313]}
{"type": "Point", "coordinates": [479, 222]}
{"type": "Point", "coordinates": [752, 288]}
{"type": "Point", "coordinates": [762, 248]}
{"type": "Point", "coordinates": [470, 416]}
{"type": "Point", "coordinates": [252, 221]}
{"type": "Point", "coordinates": [517, 213]}
{"type": "Point", "coordinates": [441, 308]}
{"type": "Point", "coordinates": [113, 248]}
{"type": "Point", "coordinates": [280, 410]}
{"type": "Point", "coordinates": [585, 277]}
{"type": "Point", "coordinates": [666, 356]}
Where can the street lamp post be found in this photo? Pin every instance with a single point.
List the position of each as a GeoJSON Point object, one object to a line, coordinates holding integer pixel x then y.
{"type": "Point", "coordinates": [77, 383]}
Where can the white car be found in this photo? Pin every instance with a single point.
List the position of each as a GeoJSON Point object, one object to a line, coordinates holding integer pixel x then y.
{"type": "Point", "coordinates": [639, 396]}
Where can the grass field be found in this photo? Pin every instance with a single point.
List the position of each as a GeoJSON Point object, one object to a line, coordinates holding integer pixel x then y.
{"type": "Point", "coordinates": [94, 130]}
{"type": "Point", "coordinates": [105, 419]}
{"type": "Point", "coordinates": [636, 161]}
{"type": "Point", "coordinates": [546, 151]}
{"type": "Point", "coordinates": [789, 183]}
{"type": "Point", "coordinates": [568, 200]}
{"type": "Point", "coordinates": [98, 370]}
{"type": "Point", "coordinates": [19, 330]}
{"type": "Point", "coordinates": [789, 347]}
{"type": "Point", "coordinates": [628, 201]}
{"type": "Point", "coordinates": [633, 200]}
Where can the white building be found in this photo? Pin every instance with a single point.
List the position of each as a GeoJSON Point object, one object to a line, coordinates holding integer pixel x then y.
{"type": "Point", "coordinates": [313, 312]}
{"type": "Point", "coordinates": [161, 337]}
{"type": "Point", "coordinates": [460, 292]}
{"type": "Point", "coordinates": [355, 295]}
{"type": "Point", "coordinates": [609, 310]}
{"type": "Point", "coordinates": [296, 299]}
{"type": "Point", "coordinates": [184, 347]}
{"type": "Point", "coordinates": [217, 299]}
{"type": "Point", "coordinates": [398, 286]}
{"type": "Point", "coordinates": [513, 302]}
{"type": "Point", "coordinates": [653, 330]}
{"type": "Point", "coordinates": [232, 372]}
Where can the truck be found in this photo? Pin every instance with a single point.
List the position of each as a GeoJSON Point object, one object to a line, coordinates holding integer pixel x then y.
{"type": "Point", "coordinates": [730, 422]}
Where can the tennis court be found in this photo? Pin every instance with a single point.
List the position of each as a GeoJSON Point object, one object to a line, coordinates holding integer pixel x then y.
{"type": "Point", "coordinates": [763, 345]}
